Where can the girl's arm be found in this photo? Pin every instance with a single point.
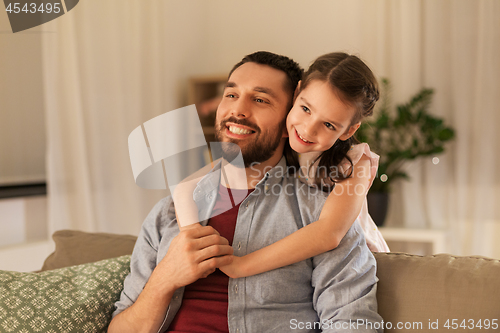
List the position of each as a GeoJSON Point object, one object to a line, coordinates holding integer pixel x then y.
{"type": "Point", "coordinates": [186, 210]}
{"type": "Point", "coordinates": [339, 212]}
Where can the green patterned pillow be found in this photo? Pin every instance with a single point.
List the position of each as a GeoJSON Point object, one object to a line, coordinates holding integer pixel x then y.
{"type": "Point", "coordinates": [71, 299]}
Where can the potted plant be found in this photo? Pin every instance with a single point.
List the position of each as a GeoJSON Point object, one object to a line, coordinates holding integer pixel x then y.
{"type": "Point", "coordinates": [399, 136]}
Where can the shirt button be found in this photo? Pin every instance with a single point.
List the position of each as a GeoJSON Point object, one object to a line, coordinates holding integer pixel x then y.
{"type": "Point", "coordinates": [246, 205]}
{"type": "Point", "coordinates": [236, 289]}
{"type": "Point", "coordinates": [209, 196]}
{"type": "Point", "coordinates": [239, 245]}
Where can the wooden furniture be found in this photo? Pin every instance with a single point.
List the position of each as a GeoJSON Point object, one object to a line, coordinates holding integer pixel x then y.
{"type": "Point", "coordinates": [205, 91]}
{"type": "Point", "coordinates": [415, 241]}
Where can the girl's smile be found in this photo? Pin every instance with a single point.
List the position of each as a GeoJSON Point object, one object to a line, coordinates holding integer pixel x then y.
{"type": "Point", "coordinates": [304, 141]}
{"type": "Point", "coordinates": [319, 118]}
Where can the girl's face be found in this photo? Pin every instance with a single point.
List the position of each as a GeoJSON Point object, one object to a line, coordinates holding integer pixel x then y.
{"type": "Point", "coordinates": [319, 118]}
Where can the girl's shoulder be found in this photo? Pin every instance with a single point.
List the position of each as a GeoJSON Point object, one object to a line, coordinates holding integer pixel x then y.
{"type": "Point", "coordinates": [308, 162]}
{"type": "Point", "coordinates": [358, 151]}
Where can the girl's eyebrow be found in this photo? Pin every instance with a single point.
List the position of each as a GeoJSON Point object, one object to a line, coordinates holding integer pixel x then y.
{"type": "Point", "coordinates": [312, 108]}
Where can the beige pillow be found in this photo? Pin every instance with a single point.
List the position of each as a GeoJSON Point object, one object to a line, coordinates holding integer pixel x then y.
{"type": "Point", "coordinates": [441, 290]}
{"type": "Point", "coordinates": [78, 247]}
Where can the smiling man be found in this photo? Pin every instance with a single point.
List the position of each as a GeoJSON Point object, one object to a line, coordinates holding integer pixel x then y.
{"type": "Point", "coordinates": [252, 112]}
{"type": "Point", "coordinates": [174, 284]}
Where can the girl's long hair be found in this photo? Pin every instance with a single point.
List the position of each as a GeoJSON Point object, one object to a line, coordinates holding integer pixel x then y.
{"type": "Point", "coordinates": [354, 83]}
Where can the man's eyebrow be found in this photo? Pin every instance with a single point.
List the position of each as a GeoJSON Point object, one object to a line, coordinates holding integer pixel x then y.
{"type": "Point", "coordinates": [263, 90]}
{"type": "Point", "coordinates": [312, 108]}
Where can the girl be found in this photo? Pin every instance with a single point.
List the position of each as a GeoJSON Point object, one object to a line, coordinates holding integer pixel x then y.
{"type": "Point", "coordinates": [335, 94]}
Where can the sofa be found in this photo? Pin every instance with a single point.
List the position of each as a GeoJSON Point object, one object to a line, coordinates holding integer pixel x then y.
{"type": "Point", "coordinates": [79, 282]}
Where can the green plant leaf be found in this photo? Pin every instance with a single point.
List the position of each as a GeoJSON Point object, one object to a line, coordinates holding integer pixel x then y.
{"type": "Point", "coordinates": [404, 132]}
{"type": "Point", "coordinates": [446, 134]}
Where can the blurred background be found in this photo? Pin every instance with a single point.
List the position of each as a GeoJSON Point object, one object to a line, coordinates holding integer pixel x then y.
{"type": "Point", "coordinates": [73, 89]}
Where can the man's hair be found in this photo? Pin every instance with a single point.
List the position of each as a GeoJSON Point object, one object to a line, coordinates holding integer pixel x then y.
{"type": "Point", "coordinates": [292, 69]}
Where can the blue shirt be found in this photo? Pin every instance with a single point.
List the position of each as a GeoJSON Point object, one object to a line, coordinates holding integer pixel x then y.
{"type": "Point", "coordinates": [331, 292]}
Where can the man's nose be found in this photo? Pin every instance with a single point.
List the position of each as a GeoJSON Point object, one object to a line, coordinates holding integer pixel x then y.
{"type": "Point", "coordinates": [241, 108]}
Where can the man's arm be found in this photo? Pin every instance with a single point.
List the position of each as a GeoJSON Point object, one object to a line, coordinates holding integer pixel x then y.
{"type": "Point", "coordinates": [194, 253]}
{"type": "Point", "coordinates": [344, 282]}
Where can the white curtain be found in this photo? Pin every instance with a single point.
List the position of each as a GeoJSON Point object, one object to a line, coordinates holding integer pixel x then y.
{"type": "Point", "coordinates": [452, 46]}
{"type": "Point", "coordinates": [111, 65]}
{"type": "Point", "coordinates": [108, 67]}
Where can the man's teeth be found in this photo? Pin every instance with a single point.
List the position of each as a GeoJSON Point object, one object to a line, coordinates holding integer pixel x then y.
{"type": "Point", "coordinates": [238, 130]}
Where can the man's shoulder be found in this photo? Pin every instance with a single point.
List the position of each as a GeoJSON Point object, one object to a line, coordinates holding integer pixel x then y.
{"type": "Point", "coordinates": [161, 211]}
{"type": "Point", "coordinates": [310, 199]}
{"type": "Point", "coordinates": [159, 222]}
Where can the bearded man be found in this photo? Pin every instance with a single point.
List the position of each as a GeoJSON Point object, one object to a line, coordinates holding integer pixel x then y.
{"type": "Point", "coordinates": [174, 284]}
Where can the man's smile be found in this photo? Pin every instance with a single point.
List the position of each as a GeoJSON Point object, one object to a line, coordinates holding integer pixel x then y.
{"type": "Point", "coordinates": [238, 131]}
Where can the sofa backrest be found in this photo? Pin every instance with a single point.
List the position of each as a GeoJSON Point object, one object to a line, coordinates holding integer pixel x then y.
{"type": "Point", "coordinates": [77, 247]}
{"type": "Point", "coordinates": [441, 291]}
{"type": "Point", "coordinates": [417, 293]}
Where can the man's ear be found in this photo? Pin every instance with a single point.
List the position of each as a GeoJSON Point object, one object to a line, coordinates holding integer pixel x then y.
{"type": "Point", "coordinates": [350, 132]}
{"type": "Point", "coordinates": [297, 90]}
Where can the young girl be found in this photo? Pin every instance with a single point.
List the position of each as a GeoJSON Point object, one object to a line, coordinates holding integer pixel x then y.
{"type": "Point", "coordinates": [335, 94]}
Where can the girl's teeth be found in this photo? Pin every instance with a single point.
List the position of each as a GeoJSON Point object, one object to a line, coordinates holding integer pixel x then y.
{"type": "Point", "coordinates": [238, 130]}
{"type": "Point", "coordinates": [303, 139]}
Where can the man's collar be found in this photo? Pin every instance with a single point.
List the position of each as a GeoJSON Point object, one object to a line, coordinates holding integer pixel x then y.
{"type": "Point", "coordinates": [268, 177]}
{"type": "Point", "coordinates": [275, 174]}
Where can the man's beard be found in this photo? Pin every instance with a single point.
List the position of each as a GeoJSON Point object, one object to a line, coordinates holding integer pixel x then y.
{"type": "Point", "coordinates": [259, 150]}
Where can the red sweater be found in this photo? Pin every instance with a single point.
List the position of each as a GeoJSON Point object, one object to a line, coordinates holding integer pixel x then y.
{"type": "Point", "coordinates": [204, 304]}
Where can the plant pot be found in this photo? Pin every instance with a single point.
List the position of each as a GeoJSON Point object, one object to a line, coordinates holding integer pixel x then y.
{"type": "Point", "coordinates": [378, 203]}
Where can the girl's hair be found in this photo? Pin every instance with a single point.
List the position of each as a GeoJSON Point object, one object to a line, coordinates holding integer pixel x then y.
{"type": "Point", "coordinates": [355, 84]}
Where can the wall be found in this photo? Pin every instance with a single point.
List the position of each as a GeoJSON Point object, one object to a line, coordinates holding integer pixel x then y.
{"type": "Point", "coordinates": [22, 130]}
{"type": "Point", "coordinates": [23, 221]}
{"type": "Point", "coordinates": [24, 240]}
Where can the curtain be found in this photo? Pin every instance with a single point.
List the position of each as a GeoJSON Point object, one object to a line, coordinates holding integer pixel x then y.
{"type": "Point", "coordinates": [451, 47]}
{"type": "Point", "coordinates": [110, 66]}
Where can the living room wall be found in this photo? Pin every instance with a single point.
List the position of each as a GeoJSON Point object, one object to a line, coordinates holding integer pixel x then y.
{"type": "Point", "coordinates": [22, 130]}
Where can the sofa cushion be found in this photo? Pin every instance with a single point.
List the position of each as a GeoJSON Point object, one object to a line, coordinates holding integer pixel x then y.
{"type": "Point", "coordinates": [78, 247]}
{"type": "Point", "coordinates": [434, 290]}
{"type": "Point", "coordinates": [71, 299]}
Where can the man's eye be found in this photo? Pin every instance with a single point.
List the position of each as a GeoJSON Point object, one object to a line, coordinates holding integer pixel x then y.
{"type": "Point", "coordinates": [230, 95]}
{"type": "Point", "coordinates": [330, 126]}
{"type": "Point", "coordinates": [260, 100]}
{"type": "Point", "coordinates": [306, 109]}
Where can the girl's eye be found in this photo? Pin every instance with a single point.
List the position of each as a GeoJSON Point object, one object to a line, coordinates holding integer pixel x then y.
{"type": "Point", "coordinates": [330, 126]}
{"type": "Point", "coordinates": [306, 109]}
{"type": "Point", "coordinates": [230, 95]}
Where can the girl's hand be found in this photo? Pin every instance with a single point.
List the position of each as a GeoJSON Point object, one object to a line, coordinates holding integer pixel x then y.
{"type": "Point", "coordinates": [189, 226]}
{"type": "Point", "coordinates": [235, 269]}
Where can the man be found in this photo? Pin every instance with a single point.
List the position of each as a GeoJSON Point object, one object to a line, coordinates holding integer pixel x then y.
{"type": "Point", "coordinates": [174, 283]}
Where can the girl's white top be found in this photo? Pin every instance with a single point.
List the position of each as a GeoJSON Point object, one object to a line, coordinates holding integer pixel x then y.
{"type": "Point", "coordinates": [374, 239]}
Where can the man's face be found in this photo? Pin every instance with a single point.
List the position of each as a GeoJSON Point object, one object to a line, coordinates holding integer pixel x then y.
{"type": "Point", "coordinates": [252, 112]}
